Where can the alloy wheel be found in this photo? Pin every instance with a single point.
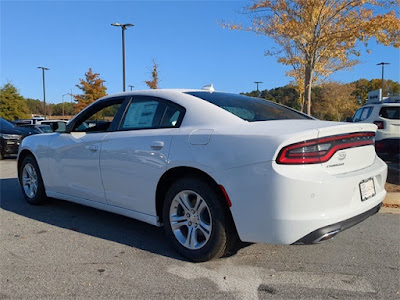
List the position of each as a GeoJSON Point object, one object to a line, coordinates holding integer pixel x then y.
{"type": "Point", "coordinates": [29, 180]}
{"type": "Point", "coordinates": [190, 219]}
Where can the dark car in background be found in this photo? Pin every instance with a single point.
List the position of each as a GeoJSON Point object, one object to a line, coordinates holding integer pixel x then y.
{"type": "Point", "coordinates": [11, 137]}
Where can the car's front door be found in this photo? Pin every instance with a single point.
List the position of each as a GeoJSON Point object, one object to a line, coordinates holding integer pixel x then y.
{"type": "Point", "coordinates": [134, 158]}
{"type": "Point", "coordinates": [75, 155]}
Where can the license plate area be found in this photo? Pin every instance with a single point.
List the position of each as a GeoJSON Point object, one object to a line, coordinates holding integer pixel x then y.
{"type": "Point", "coordinates": [367, 189]}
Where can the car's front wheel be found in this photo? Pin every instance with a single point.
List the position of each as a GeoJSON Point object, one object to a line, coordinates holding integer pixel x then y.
{"type": "Point", "coordinates": [31, 181]}
{"type": "Point", "coordinates": [195, 220]}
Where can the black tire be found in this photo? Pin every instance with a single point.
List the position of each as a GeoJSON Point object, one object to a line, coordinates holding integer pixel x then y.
{"type": "Point", "coordinates": [219, 235]}
{"type": "Point", "coordinates": [40, 195]}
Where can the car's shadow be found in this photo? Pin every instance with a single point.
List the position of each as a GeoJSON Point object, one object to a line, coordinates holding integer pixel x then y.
{"type": "Point", "coordinates": [87, 220]}
{"type": "Point", "coordinates": [91, 221]}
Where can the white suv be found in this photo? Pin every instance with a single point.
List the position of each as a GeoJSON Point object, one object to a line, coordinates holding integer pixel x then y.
{"type": "Point", "coordinates": [385, 115]}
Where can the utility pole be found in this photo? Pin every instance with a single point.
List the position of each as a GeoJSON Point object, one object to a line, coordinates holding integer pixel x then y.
{"type": "Point", "coordinates": [383, 71]}
{"type": "Point", "coordinates": [131, 86]}
{"type": "Point", "coordinates": [63, 103]}
{"type": "Point", "coordinates": [44, 89]}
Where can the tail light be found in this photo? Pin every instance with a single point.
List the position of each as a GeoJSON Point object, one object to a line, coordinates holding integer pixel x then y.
{"type": "Point", "coordinates": [321, 150]}
{"type": "Point", "coordinates": [380, 124]}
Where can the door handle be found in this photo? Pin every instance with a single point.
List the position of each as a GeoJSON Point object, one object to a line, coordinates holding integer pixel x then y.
{"type": "Point", "coordinates": [157, 145]}
{"type": "Point", "coordinates": [93, 148]}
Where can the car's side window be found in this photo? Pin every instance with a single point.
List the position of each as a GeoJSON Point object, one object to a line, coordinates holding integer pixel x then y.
{"type": "Point", "coordinates": [100, 118]}
{"type": "Point", "coordinates": [150, 113]}
{"type": "Point", "coordinates": [366, 113]}
{"type": "Point", "coordinates": [143, 114]}
{"type": "Point", "coordinates": [357, 115]}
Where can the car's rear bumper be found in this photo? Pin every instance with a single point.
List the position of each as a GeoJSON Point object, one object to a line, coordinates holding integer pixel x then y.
{"type": "Point", "coordinates": [328, 232]}
{"type": "Point", "coordinates": [283, 206]}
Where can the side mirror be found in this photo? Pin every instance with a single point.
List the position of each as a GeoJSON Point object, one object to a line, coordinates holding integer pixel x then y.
{"type": "Point", "coordinates": [349, 119]}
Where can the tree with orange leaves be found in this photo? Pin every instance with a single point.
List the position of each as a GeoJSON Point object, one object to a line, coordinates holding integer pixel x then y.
{"type": "Point", "coordinates": [319, 37]}
{"type": "Point", "coordinates": [153, 83]}
{"type": "Point", "coordinates": [93, 89]}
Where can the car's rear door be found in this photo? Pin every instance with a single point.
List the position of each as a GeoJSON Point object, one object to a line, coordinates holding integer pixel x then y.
{"type": "Point", "coordinates": [134, 158]}
{"type": "Point", "coordinates": [74, 156]}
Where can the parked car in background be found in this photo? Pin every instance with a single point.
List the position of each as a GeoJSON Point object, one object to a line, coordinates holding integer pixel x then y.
{"type": "Point", "coordinates": [23, 122]}
{"type": "Point", "coordinates": [11, 137]}
{"type": "Point", "coordinates": [210, 167]}
{"type": "Point", "coordinates": [38, 128]}
{"type": "Point", "coordinates": [385, 115]}
{"type": "Point", "coordinates": [56, 125]}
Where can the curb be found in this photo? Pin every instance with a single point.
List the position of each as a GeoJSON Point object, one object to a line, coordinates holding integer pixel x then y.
{"type": "Point", "coordinates": [389, 210]}
{"type": "Point", "coordinates": [392, 198]}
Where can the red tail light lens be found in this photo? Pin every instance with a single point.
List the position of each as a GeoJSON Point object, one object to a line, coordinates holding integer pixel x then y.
{"type": "Point", "coordinates": [380, 124]}
{"type": "Point", "coordinates": [321, 150]}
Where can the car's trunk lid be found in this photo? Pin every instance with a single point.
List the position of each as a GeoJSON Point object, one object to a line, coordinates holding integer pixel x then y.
{"type": "Point", "coordinates": [354, 157]}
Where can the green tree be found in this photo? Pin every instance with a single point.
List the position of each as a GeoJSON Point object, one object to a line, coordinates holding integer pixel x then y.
{"type": "Point", "coordinates": [12, 104]}
{"type": "Point", "coordinates": [254, 93]}
{"type": "Point", "coordinates": [93, 89]}
{"type": "Point", "coordinates": [363, 86]}
{"type": "Point", "coordinates": [286, 95]}
{"type": "Point", "coordinates": [319, 37]}
{"type": "Point", "coordinates": [35, 106]}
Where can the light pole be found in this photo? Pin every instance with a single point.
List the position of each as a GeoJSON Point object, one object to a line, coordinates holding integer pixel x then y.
{"type": "Point", "coordinates": [63, 101]}
{"type": "Point", "coordinates": [44, 89]}
{"type": "Point", "coordinates": [123, 27]}
{"type": "Point", "coordinates": [131, 86]}
{"type": "Point", "coordinates": [383, 71]}
{"type": "Point", "coordinates": [257, 83]}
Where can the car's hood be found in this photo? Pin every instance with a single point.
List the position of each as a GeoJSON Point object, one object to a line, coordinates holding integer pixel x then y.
{"type": "Point", "coordinates": [14, 130]}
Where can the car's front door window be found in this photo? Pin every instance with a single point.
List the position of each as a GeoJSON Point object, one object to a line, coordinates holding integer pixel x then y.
{"type": "Point", "coordinates": [99, 120]}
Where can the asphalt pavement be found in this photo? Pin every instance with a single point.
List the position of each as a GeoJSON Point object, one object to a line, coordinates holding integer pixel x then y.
{"type": "Point", "coordinates": [62, 250]}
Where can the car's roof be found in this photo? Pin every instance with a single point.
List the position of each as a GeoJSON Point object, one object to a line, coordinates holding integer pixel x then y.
{"type": "Point", "coordinates": [52, 121]}
{"type": "Point", "coordinates": [159, 92]}
{"type": "Point", "coordinates": [382, 104]}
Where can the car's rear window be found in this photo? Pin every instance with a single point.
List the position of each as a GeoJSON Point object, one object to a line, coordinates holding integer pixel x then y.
{"type": "Point", "coordinates": [390, 112]}
{"type": "Point", "coordinates": [249, 108]}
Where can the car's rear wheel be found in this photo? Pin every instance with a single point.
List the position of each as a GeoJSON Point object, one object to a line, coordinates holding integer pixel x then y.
{"type": "Point", "coordinates": [195, 220]}
{"type": "Point", "coordinates": [31, 181]}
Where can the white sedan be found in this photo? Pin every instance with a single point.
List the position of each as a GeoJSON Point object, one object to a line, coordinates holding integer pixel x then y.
{"type": "Point", "coordinates": [210, 167]}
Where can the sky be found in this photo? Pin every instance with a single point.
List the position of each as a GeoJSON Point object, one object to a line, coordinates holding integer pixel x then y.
{"type": "Point", "coordinates": [184, 37]}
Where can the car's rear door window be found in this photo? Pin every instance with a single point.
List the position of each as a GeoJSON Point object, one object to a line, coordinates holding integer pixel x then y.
{"type": "Point", "coordinates": [366, 113]}
{"type": "Point", "coordinates": [362, 114]}
{"type": "Point", "coordinates": [150, 113]}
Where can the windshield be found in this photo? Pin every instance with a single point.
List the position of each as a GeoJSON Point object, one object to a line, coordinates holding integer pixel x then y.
{"type": "Point", "coordinates": [248, 108]}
